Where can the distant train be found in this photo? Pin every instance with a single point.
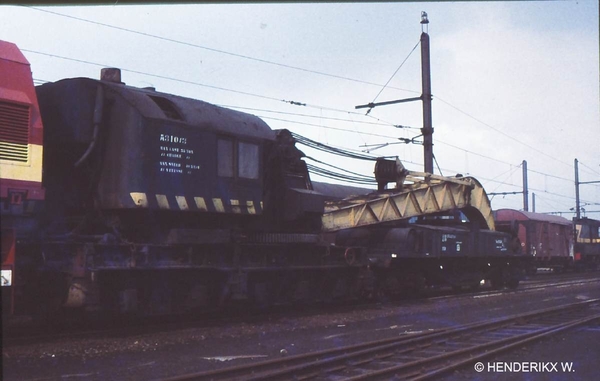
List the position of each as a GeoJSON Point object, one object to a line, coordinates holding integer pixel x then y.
{"type": "Point", "coordinates": [118, 199]}
{"type": "Point", "coordinates": [587, 243]}
{"type": "Point", "coordinates": [553, 242]}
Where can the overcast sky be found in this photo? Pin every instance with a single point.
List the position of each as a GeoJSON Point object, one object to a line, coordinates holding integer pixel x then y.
{"type": "Point", "coordinates": [511, 81]}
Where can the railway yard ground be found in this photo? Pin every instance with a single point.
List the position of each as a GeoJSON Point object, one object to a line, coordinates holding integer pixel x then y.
{"type": "Point", "coordinates": [166, 353]}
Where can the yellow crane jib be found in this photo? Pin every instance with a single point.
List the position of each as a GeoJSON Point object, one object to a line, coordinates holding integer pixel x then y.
{"type": "Point", "coordinates": [418, 194]}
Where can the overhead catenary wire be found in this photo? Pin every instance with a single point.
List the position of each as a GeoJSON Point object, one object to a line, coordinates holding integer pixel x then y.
{"type": "Point", "coordinates": [215, 87]}
{"type": "Point", "coordinates": [470, 152]}
{"type": "Point", "coordinates": [315, 116]}
{"type": "Point", "coordinates": [278, 64]}
{"type": "Point", "coordinates": [437, 165]}
{"type": "Point", "coordinates": [329, 149]}
{"type": "Point", "coordinates": [500, 132]}
{"type": "Point", "coordinates": [210, 86]}
{"type": "Point", "coordinates": [393, 75]}
{"type": "Point", "coordinates": [325, 127]}
{"type": "Point", "coordinates": [508, 174]}
{"type": "Point", "coordinates": [265, 97]}
{"type": "Point", "coordinates": [588, 167]}
{"type": "Point", "coordinates": [154, 75]}
{"type": "Point", "coordinates": [342, 174]}
{"type": "Point", "coordinates": [548, 203]}
{"type": "Point", "coordinates": [549, 175]}
{"type": "Point", "coordinates": [343, 152]}
{"type": "Point", "coordinates": [189, 44]}
{"type": "Point", "coordinates": [395, 138]}
{"type": "Point", "coordinates": [439, 141]}
{"type": "Point", "coordinates": [484, 180]}
{"type": "Point", "coordinates": [38, 81]}
{"type": "Point", "coordinates": [278, 100]}
{"type": "Point", "coordinates": [360, 179]}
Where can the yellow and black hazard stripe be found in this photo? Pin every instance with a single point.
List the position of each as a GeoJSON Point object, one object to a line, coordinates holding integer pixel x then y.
{"type": "Point", "coordinates": [203, 204]}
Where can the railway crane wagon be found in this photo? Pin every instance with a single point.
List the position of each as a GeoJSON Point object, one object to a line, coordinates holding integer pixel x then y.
{"type": "Point", "coordinates": [427, 231]}
{"type": "Point", "coordinates": [152, 203]}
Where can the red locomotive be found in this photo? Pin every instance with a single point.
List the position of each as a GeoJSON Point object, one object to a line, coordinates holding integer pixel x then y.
{"type": "Point", "coordinates": [21, 150]}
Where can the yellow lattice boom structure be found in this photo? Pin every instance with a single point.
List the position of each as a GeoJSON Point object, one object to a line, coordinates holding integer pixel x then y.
{"type": "Point", "coordinates": [420, 194]}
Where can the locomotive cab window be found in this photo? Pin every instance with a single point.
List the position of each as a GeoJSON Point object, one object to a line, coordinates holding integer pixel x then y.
{"type": "Point", "coordinates": [585, 232]}
{"type": "Point", "coordinates": [238, 159]}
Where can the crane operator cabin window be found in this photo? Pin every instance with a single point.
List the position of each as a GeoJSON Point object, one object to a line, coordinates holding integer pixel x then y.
{"type": "Point", "coordinates": [225, 158]}
{"type": "Point", "coordinates": [242, 162]}
{"type": "Point", "coordinates": [248, 160]}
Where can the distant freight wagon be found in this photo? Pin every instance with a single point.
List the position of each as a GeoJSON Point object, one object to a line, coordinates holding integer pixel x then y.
{"type": "Point", "coordinates": [547, 238]}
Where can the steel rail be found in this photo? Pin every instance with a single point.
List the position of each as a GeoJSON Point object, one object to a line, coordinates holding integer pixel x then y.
{"type": "Point", "coordinates": [504, 348]}
{"type": "Point", "coordinates": [522, 288]}
{"type": "Point", "coordinates": [329, 363]}
{"type": "Point", "coordinates": [468, 355]}
{"type": "Point", "coordinates": [30, 334]}
{"type": "Point", "coordinates": [288, 362]}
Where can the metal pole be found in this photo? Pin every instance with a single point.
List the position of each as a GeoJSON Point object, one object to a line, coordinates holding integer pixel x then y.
{"type": "Point", "coordinates": [577, 189]}
{"type": "Point", "coordinates": [427, 129]}
{"type": "Point", "coordinates": [533, 202]}
{"type": "Point", "coordinates": [525, 188]}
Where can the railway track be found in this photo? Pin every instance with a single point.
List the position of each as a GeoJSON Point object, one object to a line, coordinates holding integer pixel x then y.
{"type": "Point", "coordinates": [415, 357]}
{"type": "Point", "coordinates": [527, 286]}
{"type": "Point", "coordinates": [26, 334]}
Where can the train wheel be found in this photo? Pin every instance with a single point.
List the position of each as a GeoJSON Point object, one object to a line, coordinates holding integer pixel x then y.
{"type": "Point", "coordinates": [48, 302]}
{"type": "Point", "coordinates": [381, 295]}
{"type": "Point", "coordinates": [350, 256]}
{"type": "Point", "coordinates": [50, 311]}
{"type": "Point", "coordinates": [379, 292]}
{"type": "Point", "coordinates": [512, 283]}
{"type": "Point", "coordinates": [497, 279]}
{"type": "Point", "coordinates": [415, 284]}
